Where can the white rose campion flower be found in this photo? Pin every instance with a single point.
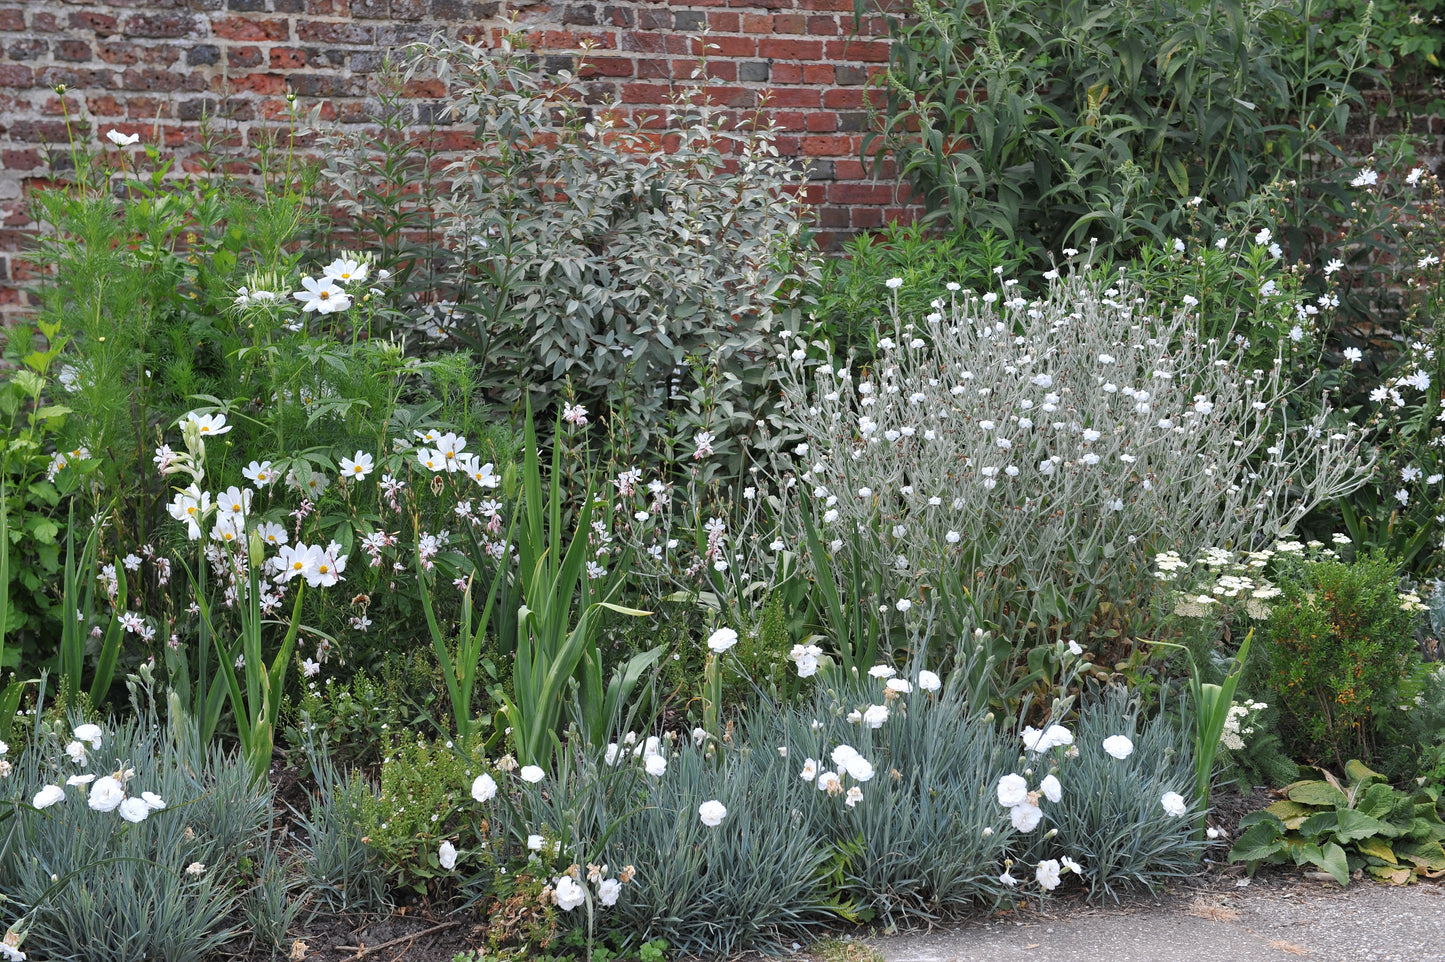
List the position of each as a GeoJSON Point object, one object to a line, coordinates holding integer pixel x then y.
{"type": "Point", "coordinates": [1047, 874]}
{"type": "Point", "coordinates": [48, 796]}
{"type": "Point", "coordinates": [608, 890]}
{"type": "Point", "coordinates": [568, 893]}
{"type": "Point", "coordinates": [134, 810]}
{"type": "Point", "coordinates": [928, 681]}
{"type": "Point", "coordinates": [106, 794]}
{"type": "Point", "coordinates": [1013, 790]}
{"type": "Point", "coordinates": [1119, 746]}
{"type": "Point", "coordinates": [484, 788]}
{"type": "Point", "coordinates": [447, 856]}
{"type": "Point", "coordinates": [722, 639]}
{"type": "Point", "coordinates": [712, 812]}
{"type": "Point", "coordinates": [532, 774]}
{"type": "Point", "coordinates": [1173, 804]}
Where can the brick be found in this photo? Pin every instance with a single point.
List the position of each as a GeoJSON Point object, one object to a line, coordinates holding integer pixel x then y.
{"type": "Point", "coordinates": [261, 83]}
{"type": "Point", "coordinates": [243, 57]}
{"type": "Point", "coordinates": [321, 32]}
{"type": "Point", "coordinates": [73, 51]}
{"type": "Point", "coordinates": [251, 29]}
{"type": "Point", "coordinates": [753, 71]}
{"type": "Point", "coordinates": [101, 23]}
{"type": "Point", "coordinates": [246, 6]}
{"type": "Point", "coordinates": [122, 54]}
{"type": "Point", "coordinates": [20, 159]}
{"type": "Point", "coordinates": [850, 76]}
{"type": "Point", "coordinates": [869, 51]}
{"type": "Point", "coordinates": [691, 21]}
{"type": "Point", "coordinates": [757, 23]}
{"type": "Point", "coordinates": [793, 96]}
{"type": "Point", "coordinates": [370, 9]}
{"type": "Point", "coordinates": [617, 16]}
{"type": "Point", "coordinates": [822, 121]}
{"type": "Point", "coordinates": [287, 58]}
{"type": "Point", "coordinates": [12, 19]}
{"type": "Point", "coordinates": [776, 49]}
{"type": "Point", "coordinates": [151, 79]}
{"type": "Point", "coordinates": [820, 74]}
{"type": "Point", "coordinates": [32, 48]}
{"type": "Point", "coordinates": [724, 21]}
{"type": "Point", "coordinates": [203, 55]}
{"type": "Point", "coordinates": [789, 23]}
{"type": "Point", "coordinates": [609, 67]}
{"type": "Point", "coordinates": [161, 26]}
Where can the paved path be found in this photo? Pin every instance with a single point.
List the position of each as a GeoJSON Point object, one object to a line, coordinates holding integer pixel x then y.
{"type": "Point", "coordinates": [1281, 921]}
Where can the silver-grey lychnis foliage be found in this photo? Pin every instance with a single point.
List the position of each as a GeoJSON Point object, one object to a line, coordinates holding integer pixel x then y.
{"type": "Point", "coordinates": [1030, 456]}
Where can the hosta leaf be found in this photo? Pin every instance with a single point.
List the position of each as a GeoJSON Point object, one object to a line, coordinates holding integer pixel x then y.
{"type": "Point", "coordinates": [1376, 848]}
{"type": "Point", "coordinates": [1395, 876]}
{"type": "Point", "coordinates": [1317, 793]}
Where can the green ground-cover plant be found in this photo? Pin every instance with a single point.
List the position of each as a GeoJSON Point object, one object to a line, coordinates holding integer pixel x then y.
{"type": "Point", "coordinates": [1342, 827]}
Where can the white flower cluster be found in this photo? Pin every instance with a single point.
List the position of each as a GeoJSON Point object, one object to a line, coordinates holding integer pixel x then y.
{"type": "Point", "coordinates": [847, 763]}
{"type": "Point", "coordinates": [106, 793]}
{"type": "Point", "coordinates": [1240, 722]}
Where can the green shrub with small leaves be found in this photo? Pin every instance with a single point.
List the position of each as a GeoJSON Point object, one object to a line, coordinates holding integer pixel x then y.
{"type": "Point", "coordinates": [1341, 642]}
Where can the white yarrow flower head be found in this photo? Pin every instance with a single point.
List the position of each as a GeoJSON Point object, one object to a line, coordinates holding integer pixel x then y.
{"type": "Point", "coordinates": [721, 640]}
{"type": "Point", "coordinates": [893, 283]}
{"type": "Point", "coordinates": [484, 788]}
{"type": "Point", "coordinates": [1173, 804]}
{"type": "Point", "coordinates": [711, 813]}
{"type": "Point", "coordinates": [532, 774]}
{"type": "Point", "coordinates": [447, 855]}
{"type": "Point", "coordinates": [1119, 746]}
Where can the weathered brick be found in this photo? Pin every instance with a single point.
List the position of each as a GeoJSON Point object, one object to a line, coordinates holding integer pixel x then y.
{"type": "Point", "coordinates": [316, 31]}
{"type": "Point", "coordinates": [251, 29]}
{"type": "Point", "coordinates": [31, 48]}
{"type": "Point", "coordinates": [12, 19]}
{"type": "Point", "coordinates": [689, 20]}
{"type": "Point", "coordinates": [102, 23]}
{"type": "Point", "coordinates": [203, 55]}
{"type": "Point", "coordinates": [161, 26]}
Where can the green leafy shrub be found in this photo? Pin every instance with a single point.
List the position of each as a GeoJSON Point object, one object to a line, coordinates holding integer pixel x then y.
{"type": "Point", "coordinates": [1341, 641]}
{"type": "Point", "coordinates": [584, 251]}
{"type": "Point", "coordinates": [1058, 121]}
{"type": "Point", "coordinates": [1342, 828]}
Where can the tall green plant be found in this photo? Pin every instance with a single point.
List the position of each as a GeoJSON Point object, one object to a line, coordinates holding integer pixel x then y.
{"type": "Point", "coordinates": [78, 609]}
{"type": "Point", "coordinates": [459, 668]}
{"type": "Point", "coordinates": [551, 647]}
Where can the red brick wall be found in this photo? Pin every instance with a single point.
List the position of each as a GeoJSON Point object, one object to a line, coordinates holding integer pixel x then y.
{"type": "Point", "coordinates": [137, 65]}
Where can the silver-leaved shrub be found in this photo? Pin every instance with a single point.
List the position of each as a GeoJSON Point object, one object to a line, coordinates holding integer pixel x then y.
{"type": "Point", "coordinates": [1027, 458]}
{"type": "Point", "coordinates": [635, 257]}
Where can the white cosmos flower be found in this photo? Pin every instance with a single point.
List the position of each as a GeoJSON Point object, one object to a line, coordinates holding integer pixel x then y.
{"type": "Point", "coordinates": [1173, 804]}
{"type": "Point", "coordinates": [532, 774]}
{"type": "Point", "coordinates": [722, 639]}
{"type": "Point", "coordinates": [357, 467]}
{"type": "Point", "coordinates": [48, 796]}
{"type": "Point", "coordinates": [134, 810]}
{"type": "Point", "coordinates": [345, 270]}
{"type": "Point", "coordinates": [323, 296]}
{"type": "Point", "coordinates": [484, 788]}
{"type": "Point", "coordinates": [259, 473]}
{"type": "Point", "coordinates": [447, 855]}
{"type": "Point", "coordinates": [1119, 746]}
{"type": "Point", "coordinates": [120, 139]}
{"type": "Point", "coordinates": [1051, 788]}
{"type": "Point", "coordinates": [568, 893]}
{"type": "Point", "coordinates": [106, 794]}
{"type": "Point", "coordinates": [1013, 789]}
{"type": "Point", "coordinates": [1047, 874]}
{"type": "Point", "coordinates": [712, 812]}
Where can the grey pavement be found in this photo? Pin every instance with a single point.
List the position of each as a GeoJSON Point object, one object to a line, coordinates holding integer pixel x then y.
{"type": "Point", "coordinates": [1280, 921]}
